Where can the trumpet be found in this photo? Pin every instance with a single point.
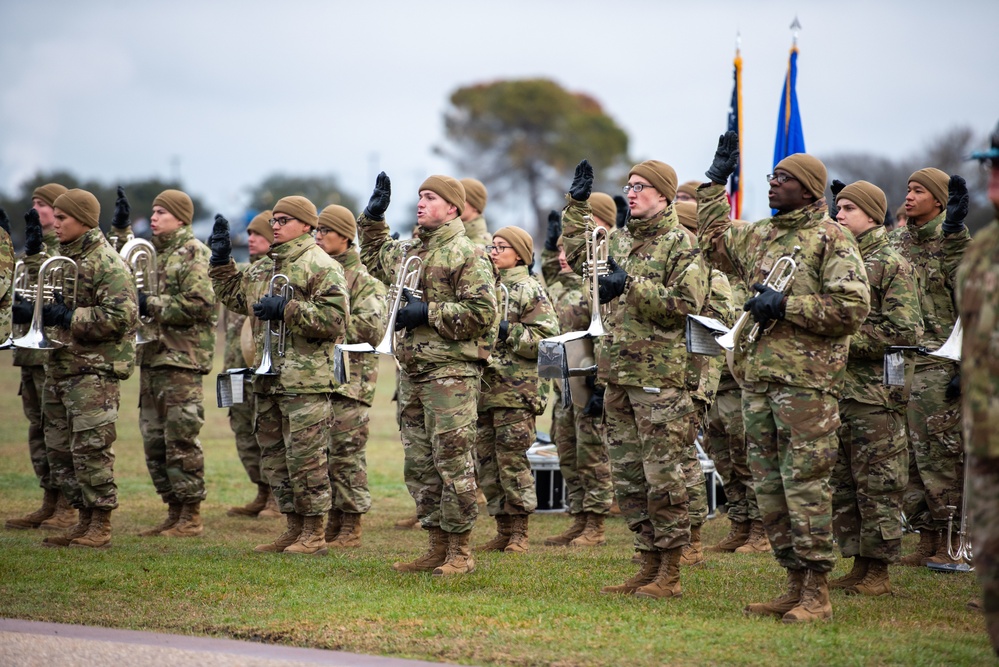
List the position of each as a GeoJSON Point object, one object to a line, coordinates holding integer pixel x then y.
{"type": "Point", "coordinates": [54, 275]}
{"type": "Point", "coordinates": [780, 278]}
{"type": "Point", "coordinates": [140, 255]}
{"type": "Point", "coordinates": [280, 283]}
{"type": "Point", "coordinates": [408, 277]}
{"type": "Point", "coordinates": [596, 265]}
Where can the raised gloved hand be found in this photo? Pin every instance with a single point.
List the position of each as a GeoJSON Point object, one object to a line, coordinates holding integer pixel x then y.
{"type": "Point", "coordinates": [143, 308]}
{"type": "Point", "coordinates": [57, 314]}
{"type": "Point", "coordinates": [554, 231]}
{"type": "Point", "coordinates": [220, 243]}
{"type": "Point", "coordinates": [4, 221]}
{"type": "Point", "coordinates": [270, 308]}
{"type": "Point", "coordinates": [611, 286]}
{"type": "Point", "coordinates": [623, 212]}
{"type": "Point", "coordinates": [394, 236]}
{"type": "Point", "coordinates": [595, 403]}
{"type": "Point", "coordinates": [121, 210]}
{"type": "Point", "coordinates": [953, 391]}
{"type": "Point", "coordinates": [22, 311]}
{"type": "Point", "coordinates": [413, 314]}
{"type": "Point", "coordinates": [767, 305]}
{"type": "Point", "coordinates": [504, 330]}
{"type": "Point", "coordinates": [32, 233]}
{"type": "Point", "coordinates": [837, 187]}
{"type": "Point", "coordinates": [726, 158]}
{"type": "Point", "coordinates": [582, 182]}
{"type": "Point", "coordinates": [380, 198]}
{"type": "Point", "coordinates": [957, 205]}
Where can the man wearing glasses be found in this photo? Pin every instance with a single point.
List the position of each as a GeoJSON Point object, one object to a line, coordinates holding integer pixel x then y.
{"type": "Point", "coordinates": [293, 404]}
{"type": "Point", "coordinates": [352, 399]}
{"type": "Point", "coordinates": [794, 368]}
{"type": "Point", "coordinates": [655, 283]}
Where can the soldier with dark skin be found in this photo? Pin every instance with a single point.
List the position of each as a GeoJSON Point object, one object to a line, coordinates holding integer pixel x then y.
{"type": "Point", "coordinates": [793, 372]}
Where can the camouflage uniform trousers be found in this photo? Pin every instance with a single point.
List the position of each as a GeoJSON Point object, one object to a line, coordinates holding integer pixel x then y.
{"type": "Point", "coordinates": [697, 490]}
{"type": "Point", "coordinates": [503, 436]}
{"type": "Point", "coordinates": [870, 474]}
{"type": "Point", "coordinates": [438, 438]}
{"type": "Point", "coordinates": [241, 423]}
{"type": "Point", "coordinates": [347, 463]}
{"type": "Point", "coordinates": [726, 445]}
{"type": "Point", "coordinates": [983, 505]}
{"type": "Point", "coordinates": [292, 431]}
{"type": "Point", "coordinates": [936, 457]}
{"type": "Point", "coordinates": [31, 392]}
{"type": "Point", "coordinates": [583, 460]}
{"type": "Point", "coordinates": [80, 412]}
{"type": "Point", "coordinates": [792, 445]}
{"type": "Point", "coordinates": [171, 414]}
{"type": "Point", "coordinates": [647, 436]}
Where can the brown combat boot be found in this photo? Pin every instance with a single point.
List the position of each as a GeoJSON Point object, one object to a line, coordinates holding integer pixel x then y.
{"type": "Point", "coordinates": [285, 539]}
{"type": "Point", "coordinates": [255, 506]}
{"type": "Point", "coordinates": [593, 534]}
{"type": "Point", "coordinates": [855, 575]}
{"type": "Point", "coordinates": [942, 556]}
{"type": "Point", "coordinates": [408, 523]}
{"type": "Point", "coordinates": [757, 541]}
{"type": "Point", "coordinates": [79, 530]}
{"type": "Point", "coordinates": [433, 558]}
{"type": "Point", "coordinates": [785, 602]}
{"type": "Point", "coordinates": [189, 524]}
{"type": "Point", "coordinates": [504, 525]}
{"type": "Point", "coordinates": [738, 533]}
{"type": "Point", "coordinates": [311, 541]}
{"type": "Point", "coordinates": [63, 518]}
{"type": "Point", "coordinates": [518, 543]}
{"type": "Point", "coordinates": [693, 553]}
{"type": "Point", "coordinates": [927, 547]}
{"type": "Point", "coordinates": [459, 558]}
{"type": "Point", "coordinates": [667, 581]}
{"type": "Point", "coordinates": [815, 604]}
{"type": "Point", "coordinates": [576, 529]}
{"type": "Point", "coordinates": [875, 581]}
{"type": "Point", "coordinates": [645, 575]}
{"type": "Point", "coordinates": [173, 516]}
{"type": "Point", "coordinates": [349, 536]}
{"type": "Point", "coordinates": [98, 535]}
{"type": "Point", "coordinates": [35, 519]}
{"type": "Point", "coordinates": [333, 524]}
{"type": "Point", "coordinates": [271, 509]}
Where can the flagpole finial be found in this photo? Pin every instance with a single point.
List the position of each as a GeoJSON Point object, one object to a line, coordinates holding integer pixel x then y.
{"type": "Point", "coordinates": [738, 41]}
{"type": "Point", "coordinates": [795, 29]}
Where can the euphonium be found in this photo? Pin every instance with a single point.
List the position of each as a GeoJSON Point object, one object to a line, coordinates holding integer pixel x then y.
{"type": "Point", "coordinates": [54, 275]}
{"type": "Point", "coordinates": [780, 278]}
{"type": "Point", "coordinates": [279, 283]}
{"type": "Point", "coordinates": [140, 255]}
{"type": "Point", "coordinates": [596, 265]}
{"type": "Point", "coordinates": [408, 277]}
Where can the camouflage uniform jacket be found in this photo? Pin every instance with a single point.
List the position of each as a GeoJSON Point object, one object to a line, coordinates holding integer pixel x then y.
{"type": "Point", "coordinates": [101, 336]}
{"type": "Point", "coordinates": [184, 310]}
{"type": "Point", "coordinates": [646, 345]}
{"type": "Point", "coordinates": [316, 317]}
{"type": "Point", "coordinates": [24, 356]}
{"type": "Point", "coordinates": [978, 303]}
{"type": "Point", "coordinates": [368, 317]}
{"type": "Point", "coordinates": [458, 283]}
{"type": "Point", "coordinates": [895, 319]}
{"type": "Point", "coordinates": [551, 269]}
{"type": "Point", "coordinates": [477, 231]}
{"type": "Point", "coordinates": [6, 284]}
{"type": "Point", "coordinates": [511, 379]}
{"type": "Point", "coordinates": [827, 302]}
{"type": "Point", "coordinates": [571, 304]}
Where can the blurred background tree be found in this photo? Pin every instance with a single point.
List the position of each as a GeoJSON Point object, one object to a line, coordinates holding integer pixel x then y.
{"type": "Point", "coordinates": [320, 190]}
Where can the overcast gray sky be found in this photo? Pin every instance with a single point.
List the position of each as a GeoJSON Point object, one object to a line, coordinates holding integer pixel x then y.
{"type": "Point", "coordinates": [224, 93]}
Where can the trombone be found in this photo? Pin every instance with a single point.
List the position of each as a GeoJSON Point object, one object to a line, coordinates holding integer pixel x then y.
{"type": "Point", "coordinates": [780, 278]}
{"type": "Point", "coordinates": [408, 277]}
{"type": "Point", "coordinates": [280, 283]}
{"type": "Point", "coordinates": [140, 255]}
{"type": "Point", "coordinates": [53, 276]}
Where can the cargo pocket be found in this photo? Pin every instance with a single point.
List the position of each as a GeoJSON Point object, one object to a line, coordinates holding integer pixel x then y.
{"type": "Point", "coordinates": [309, 415]}
{"type": "Point", "coordinates": [464, 484]}
{"type": "Point", "coordinates": [95, 418]}
{"type": "Point", "coordinates": [890, 530]}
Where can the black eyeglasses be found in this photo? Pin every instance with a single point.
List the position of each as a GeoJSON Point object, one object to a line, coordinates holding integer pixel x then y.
{"type": "Point", "coordinates": [498, 248]}
{"type": "Point", "coordinates": [322, 231]}
{"type": "Point", "coordinates": [781, 179]}
{"type": "Point", "coordinates": [280, 222]}
{"type": "Point", "coordinates": [637, 187]}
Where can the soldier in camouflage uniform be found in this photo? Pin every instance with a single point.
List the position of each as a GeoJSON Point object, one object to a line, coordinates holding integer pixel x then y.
{"type": "Point", "coordinates": [793, 373]}
{"type": "Point", "coordinates": [293, 405]}
{"type": "Point", "coordinates": [978, 305]}
{"type": "Point", "coordinates": [934, 412]}
{"type": "Point", "coordinates": [655, 282]}
{"type": "Point", "coordinates": [873, 461]}
{"type": "Point", "coordinates": [81, 394]}
{"type": "Point", "coordinates": [513, 395]}
{"type": "Point", "coordinates": [40, 243]}
{"type": "Point", "coordinates": [348, 467]}
{"type": "Point", "coordinates": [238, 353]}
{"type": "Point", "coordinates": [444, 343]}
{"type": "Point", "coordinates": [180, 316]}
{"type": "Point", "coordinates": [472, 216]}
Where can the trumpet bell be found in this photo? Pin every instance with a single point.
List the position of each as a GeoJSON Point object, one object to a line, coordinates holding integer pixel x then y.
{"type": "Point", "coordinates": [36, 339]}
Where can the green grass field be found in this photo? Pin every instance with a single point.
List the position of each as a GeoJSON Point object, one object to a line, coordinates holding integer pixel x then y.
{"type": "Point", "coordinates": [539, 609]}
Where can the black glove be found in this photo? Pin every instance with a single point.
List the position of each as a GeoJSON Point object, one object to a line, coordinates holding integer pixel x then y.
{"type": "Point", "coordinates": [143, 308]}
{"type": "Point", "coordinates": [623, 212]}
{"type": "Point", "coordinates": [837, 187]}
{"type": "Point", "coordinates": [32, 233]}
{"type": "Point", "coordinates": [395, 236]}
{"type": "Point", "coordinates": [22, 311]}
{"type": "Point", "coordinates": [4, 221]}
{"type": "Point", "coordinates": [582, 182]}
{"type": "Point", "coordinates": [595, 403]}
{"type": "Point", "coordinates": [504, 330]}
{"type": "Point", "coordinates": [554, 231]}
{"type": "Point", "coordinates": [57, 314]}
{"type": "Point", "coordinates": [270, 308]}
{"type": "Point", "coordinates": [726, 158]}
{"type": "Point", "coordinates": [953, 391]}
{"type": "Point", "coordinates": [413, 314]}
{"type": "Point", "coordinates": [767, 305]}
{"type": "Point", "coordinates": [121, 210]}
{"type": "Point", "coordinates": [957, 207]}
{"type": "Point", "coordinates": [220, 243]}
{"type": "Point", "coordinates": [380, 198]}
{"type": "Point", "coordinates": [611, 286]}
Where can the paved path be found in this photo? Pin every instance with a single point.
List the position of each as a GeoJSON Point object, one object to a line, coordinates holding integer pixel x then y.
{"type": "Point", "coordinates": [31, 644]}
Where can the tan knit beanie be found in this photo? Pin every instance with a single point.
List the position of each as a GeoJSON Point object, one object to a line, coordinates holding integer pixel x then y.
{"type": "Point", "coordinates": [521, 241]}
{"type": "Point", "coordinates": [689, 188]}
{"type": "Point", "coordinates": [660, 175]}
{"type": "Point", "coordinates": [448, 189]}
{"type": "Point", "coordinates": [340, 220]}
{"type": "Point", "coordinates": [81, 205]}
{"type": "Point", "coordinates": [687, 212]}
{"type": "Point", "coordinates": [809, 171]}
{"type": "Point", "coordinates": [934, 180]}
{"type": "Point", "coordinates": [49, 192]}
{"type": "Point", "coordinates": [475, 193]}
{"type": "Point", "coordinates": [299, 208]}
{"type": "Point", "coordinates": [869, 197]}
{"type": "Point", "coordinates": [177, 203]}
{"type": "Point", "coordinates": [261, 224]}
{"type": "Point", "coordinates": [604, 208]}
